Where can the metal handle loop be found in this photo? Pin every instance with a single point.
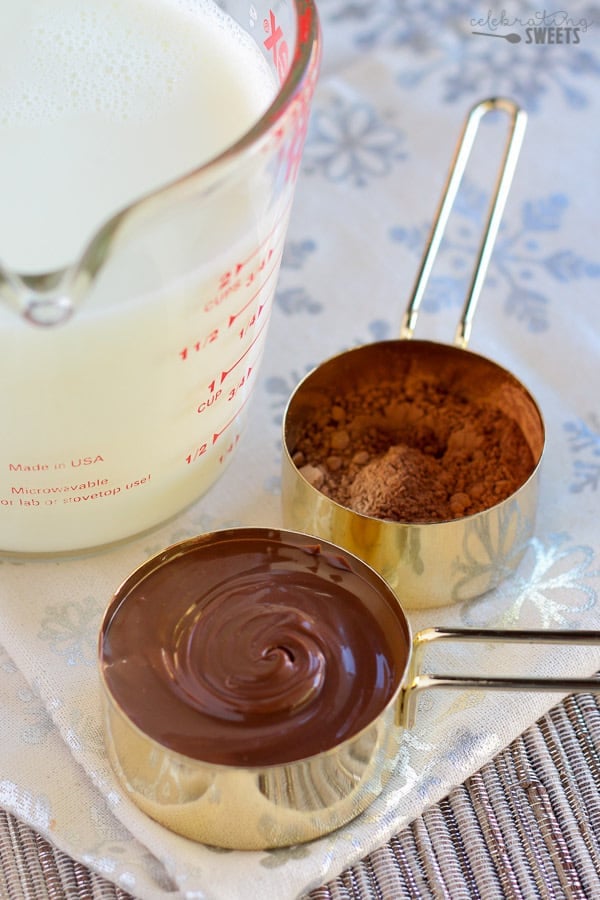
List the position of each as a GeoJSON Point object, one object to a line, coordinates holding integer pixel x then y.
{"type": "Point", "coordinates": [417, 682]}
{"type": "Point", "coordinates": [518, 122]}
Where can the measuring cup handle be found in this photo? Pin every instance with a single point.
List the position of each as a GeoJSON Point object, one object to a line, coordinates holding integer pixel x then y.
{"type": "Point", "coordinates": [518, 122]}
{"type": "Point", "coordinates": [417, 682]}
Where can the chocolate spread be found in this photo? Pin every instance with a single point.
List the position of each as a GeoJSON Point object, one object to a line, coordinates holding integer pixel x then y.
{"type": "Point", "coordinates": [254, 647]}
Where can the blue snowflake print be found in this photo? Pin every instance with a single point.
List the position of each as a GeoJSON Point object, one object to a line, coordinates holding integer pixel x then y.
{"type": "Point", "coordinates": [519, 258]}
{"type": "Point", "coordinates": [450, 42]}
{"type": "Point", "coordinates": [280, 390]}
{"type": "Point", "coordinates": [552, 586]}
{"type": "Point", "coordinates": [378, 330]}
{"type": "Point", "coordinates": [38, 722]}
{"type": "Point", "coordinates": [420, 24]}
{"type": "Point", "coordinates": [529, 74]}
{"type": "Point", "coordinates": [71, 630]}
{"type": "Point", "coordinates": [348, 143]}
{"type": "Point", "coordinates": [584, 439]}
{"type": "Point", "coordinates": [297, 300]}
{"type": "Point", "coordinates": [196, 521]}
{"type": "Point", "coordinates": [295, 253]}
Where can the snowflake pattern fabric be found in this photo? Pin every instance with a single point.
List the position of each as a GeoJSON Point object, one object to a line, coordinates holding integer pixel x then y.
{"type": "Point", "coordinates": [396, 82]}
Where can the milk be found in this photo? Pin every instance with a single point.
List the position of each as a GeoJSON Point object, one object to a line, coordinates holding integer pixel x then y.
{"type": "Point", "coordinates": [103, 101]}
{"type": "Point", "coordinates": [117, 419]}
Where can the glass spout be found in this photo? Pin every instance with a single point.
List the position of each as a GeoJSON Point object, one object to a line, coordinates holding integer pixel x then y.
{"type": "Point", "coordinates": [40, 299]}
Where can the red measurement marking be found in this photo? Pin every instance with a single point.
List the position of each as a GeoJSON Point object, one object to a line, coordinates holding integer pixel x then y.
{"type": "Point", "coordinates": [227, 372]}
{"type": "Point", "coordinates": [199, 451]}
{"type": "Point", "coordinates": [187, 352]}
{"type": "Point", "coordinates": [218, 434]}
{"type": "Point", "coordinates": [229, 449]}
{"type": "Point", "coordinates": [200, 345]}
{"type": "Point", "coordinates": [275, 35]}
{"type": "Point", "coordinates": [257, 293]}
{"type": "Point", "coordinates": [206, 404]}
{"type": "Point", "coordinates": [226, 280]}
{"type": "Point", "coordinates": [241, 311]}
{"type": "Point", "coordinates": [277, 44]}
{"type": "Point", "coordinates": [251, 324]}
{"type": "Point", "coordinates": [305, 21]}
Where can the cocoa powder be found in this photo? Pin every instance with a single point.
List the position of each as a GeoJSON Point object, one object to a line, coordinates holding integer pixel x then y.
{"type": "Point", "coordinates": [413, 452]}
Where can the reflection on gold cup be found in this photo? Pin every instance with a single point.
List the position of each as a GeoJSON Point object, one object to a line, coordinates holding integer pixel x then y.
{"type": "Point", "coordinates": [434, 563]}
{"type": "Point", "coordinates": [251, 809]}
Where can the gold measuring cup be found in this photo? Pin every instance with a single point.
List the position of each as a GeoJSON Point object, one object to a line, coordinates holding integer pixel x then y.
{"type": "Point", "coordinates": [269, 803]}
{"type": "Point", "coordinates": [433, 563]}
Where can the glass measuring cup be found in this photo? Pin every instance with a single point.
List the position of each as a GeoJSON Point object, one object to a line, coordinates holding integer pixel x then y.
{"type": "Point", "coordinates": [127, 373]}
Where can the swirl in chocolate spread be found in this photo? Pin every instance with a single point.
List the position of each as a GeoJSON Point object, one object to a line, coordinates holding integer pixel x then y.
{"type": "Point", "coordinates": [253, 652]}
{"type": "Point", "coordinates": [279, 663]}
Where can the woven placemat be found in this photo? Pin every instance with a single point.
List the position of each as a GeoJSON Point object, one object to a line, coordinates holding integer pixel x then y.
{"type": "Point", "coordinates": [527, 825]}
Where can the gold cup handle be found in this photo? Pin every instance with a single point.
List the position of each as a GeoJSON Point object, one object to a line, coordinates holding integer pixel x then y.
{"type": "Point", "coordinates": [417, 681]}
{"type": "Point", "coordinates": [518, 122]}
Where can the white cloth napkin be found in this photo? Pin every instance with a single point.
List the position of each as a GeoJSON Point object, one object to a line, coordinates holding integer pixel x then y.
{"type": "Point", "coordinates": [395, 87]}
